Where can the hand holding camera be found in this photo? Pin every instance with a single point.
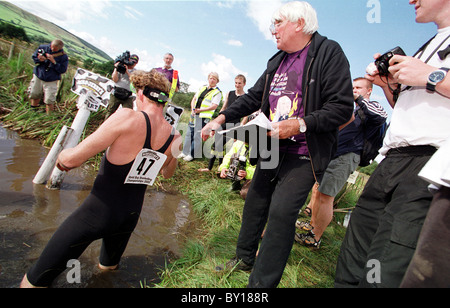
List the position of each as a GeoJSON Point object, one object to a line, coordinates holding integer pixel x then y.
{"type": "Point", "coordinates": [400, 68]}
{"type": "Point", "coordinates": [383, 62]}
{"type": "Point", "coordinates": [123, 61]}
{"type": "Point", "coordinates": [41, 54]}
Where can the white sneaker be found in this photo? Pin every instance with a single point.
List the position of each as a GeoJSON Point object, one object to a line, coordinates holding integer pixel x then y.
{"type": "Point", "coordinates": [188, 158]}
{"type": "Point", "coordinates": [182, 155]}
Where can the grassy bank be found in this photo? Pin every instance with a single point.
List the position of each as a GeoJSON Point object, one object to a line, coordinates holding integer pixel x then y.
{"type": "Point", "coordinates": [219, 211]}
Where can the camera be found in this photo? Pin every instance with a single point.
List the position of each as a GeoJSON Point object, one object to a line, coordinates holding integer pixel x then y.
{"type": "Point", "coordinates": [382, 63]}
{"type": "Point", "coordinates": [123, 60]}
{"type": "Point", "coordinates": [237, 163]}
{"type": "Point", "coordinates": [47, 63]}
{"type": "Point", "coordinates": [41, 52]}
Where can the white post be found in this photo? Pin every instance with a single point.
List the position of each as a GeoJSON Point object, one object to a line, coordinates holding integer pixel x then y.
{"type": "Point", "coordinates": [50, 161]}
{"type": "Point", "coordinates": [78, 125]}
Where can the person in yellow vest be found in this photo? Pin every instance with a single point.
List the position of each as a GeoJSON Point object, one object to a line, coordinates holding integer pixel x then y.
{"type": "Point", "coordinates": [236, 166]}
{"type": "Point", "coordinates": [203, 105]}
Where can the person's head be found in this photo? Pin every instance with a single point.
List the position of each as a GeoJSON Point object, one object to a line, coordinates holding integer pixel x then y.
{"type": "Point", "coordinates": [133, 59]}
{"type": "Point", "coordinates": [239, 82]}
{"type": "Point", "coordinates": [363, 87]}
{"type": "Point", "coordinates": [293, 24]}
{"type": "Point", "coordinates": [56, 45]}
{"type": "Point", "coordinates": [436, 11]}
{"type": "Point", "coordinates": [152, 85]}
{"type": "Point", "coordinates": [168, 60]}
{"type": "Point", "coordinates": [213, 79]}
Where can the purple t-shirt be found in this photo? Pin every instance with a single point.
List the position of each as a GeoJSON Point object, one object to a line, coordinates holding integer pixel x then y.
{"type": "Point", "coordinates": [169, 74]}
{"type": "Point", "coordinates": [286, 97]}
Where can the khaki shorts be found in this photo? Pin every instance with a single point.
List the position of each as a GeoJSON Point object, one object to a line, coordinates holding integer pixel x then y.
{"type": "Point", "coordinates": [337, 173]}
{"type": "Point", "coordinates": [39, 87]}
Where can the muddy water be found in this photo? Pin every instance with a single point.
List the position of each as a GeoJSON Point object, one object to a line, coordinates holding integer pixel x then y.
{"type": "Point", "coordinates": [30, 214]}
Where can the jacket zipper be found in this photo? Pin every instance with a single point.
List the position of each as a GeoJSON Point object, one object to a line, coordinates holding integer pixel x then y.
{"type": "Point", "coordinates": [304, 109]}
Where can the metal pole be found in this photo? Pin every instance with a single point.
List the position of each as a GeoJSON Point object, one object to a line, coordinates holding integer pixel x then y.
{"type": "Point", "coordinates": [78, 125]}
{"type": "Point", "coordinates": [50, 161]}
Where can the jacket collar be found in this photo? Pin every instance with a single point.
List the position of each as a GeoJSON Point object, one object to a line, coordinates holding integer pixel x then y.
{"type": "Point", "coordinates": [276, 59]}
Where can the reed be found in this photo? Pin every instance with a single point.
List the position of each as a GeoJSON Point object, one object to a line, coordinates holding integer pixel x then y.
{"type": "Point", "coordinates": [219, 211]}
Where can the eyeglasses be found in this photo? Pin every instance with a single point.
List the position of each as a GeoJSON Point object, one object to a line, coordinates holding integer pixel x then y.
{"type": "Point", "coordinates": [275, 26]}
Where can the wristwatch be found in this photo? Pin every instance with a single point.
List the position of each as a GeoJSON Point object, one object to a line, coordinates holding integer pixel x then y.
{"type": "Point", "coordinates": [435, 77]}
{"type": "Point", "coordinates": [302, 124]}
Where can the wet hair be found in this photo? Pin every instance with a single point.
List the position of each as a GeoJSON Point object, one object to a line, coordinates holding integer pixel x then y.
{"type": "Point", "coordinates": [293, 11]}
{"type": "Point", "coordinates": [150, 80]}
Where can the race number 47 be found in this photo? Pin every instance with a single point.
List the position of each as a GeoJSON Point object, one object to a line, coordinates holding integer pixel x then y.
{"type": "Point", "coordinates": [146, 167]}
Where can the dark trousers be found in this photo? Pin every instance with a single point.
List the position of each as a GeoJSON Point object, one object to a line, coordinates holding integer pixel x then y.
{"type": "Point", "coordinates": [430, 266]}
{"type": "Point", "coordinates": [275, 197]}
{"type": "Point", "coordinates": [386, 223]}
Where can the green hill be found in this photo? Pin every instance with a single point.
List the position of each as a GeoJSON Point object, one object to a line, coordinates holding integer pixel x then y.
{"type": "Point", "coordinates": [40, 30]}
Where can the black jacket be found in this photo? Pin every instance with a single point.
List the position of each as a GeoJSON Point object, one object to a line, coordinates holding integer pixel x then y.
{"type": "Point", "coordinates": [327, 98]}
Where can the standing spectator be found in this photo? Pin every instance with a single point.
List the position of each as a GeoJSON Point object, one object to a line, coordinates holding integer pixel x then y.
{"type": "Point", "coordinates": [386, 223]}
{"type": "Point", "coordinates": [167, 69]}
{"type": "Point", "coordinates": [429, 267]}
{"type": "Point", "coordinates": [51, 62]}
{"type": "Point", "coordinates": [122, 94]}
{"type": "Point", "coordinates": [319, 92]}
{"type": "Point", "coordinates": [203, 105]}
{"type": "Point", "coordinates": [347, 158]}
{"type": "Point", "coordinates": [221, 140]}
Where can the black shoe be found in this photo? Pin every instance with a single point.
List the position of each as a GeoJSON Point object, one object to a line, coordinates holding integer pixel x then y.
{"type": "Point", "coordinates": [232, 265]}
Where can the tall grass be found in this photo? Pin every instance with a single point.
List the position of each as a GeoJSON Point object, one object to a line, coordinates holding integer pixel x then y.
{"type": "Point", "coordinates": [220, 213]}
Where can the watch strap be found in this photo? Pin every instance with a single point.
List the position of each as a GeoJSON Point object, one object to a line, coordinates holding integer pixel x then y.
{"type": "Point", "coordinates": [432, 86]}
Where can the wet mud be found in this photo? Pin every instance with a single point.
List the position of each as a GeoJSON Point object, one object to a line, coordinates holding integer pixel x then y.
{"type": "Point", "coordinates": [30, 214]}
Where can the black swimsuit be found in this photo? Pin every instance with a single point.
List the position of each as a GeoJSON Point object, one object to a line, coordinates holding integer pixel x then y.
{"type": "Point", "coordinates": [110, 212]}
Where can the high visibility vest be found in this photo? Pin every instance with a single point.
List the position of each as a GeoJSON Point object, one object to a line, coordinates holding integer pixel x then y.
{"type": "Point", "coordinates": [207, 101]}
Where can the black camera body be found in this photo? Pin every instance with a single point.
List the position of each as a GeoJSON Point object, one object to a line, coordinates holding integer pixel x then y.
{"type": "Point", "coordinates": [382, 63]}
{"type": "Point", "coordinates": [123, 60]}
{"type": "Point", "coordinates": [47, 63]}
{"type": "Point", "coordinates": [237, 163]}
{"type": "Point", "coordinates": [41, 52]}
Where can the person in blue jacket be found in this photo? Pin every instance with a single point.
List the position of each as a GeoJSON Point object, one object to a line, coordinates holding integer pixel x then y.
{"type": "Point", "coordinates": [51, 62]}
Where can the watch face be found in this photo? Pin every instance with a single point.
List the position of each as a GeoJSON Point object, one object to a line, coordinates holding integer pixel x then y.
{"type": "Point", "coordinates": [437, 76]}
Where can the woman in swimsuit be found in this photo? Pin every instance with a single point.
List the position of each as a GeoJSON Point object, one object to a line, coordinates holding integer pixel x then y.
{"type": "Point", "coordinates": [112, 209]}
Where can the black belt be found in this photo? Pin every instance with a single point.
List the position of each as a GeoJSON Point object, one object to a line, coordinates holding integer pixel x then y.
{"type": "Point", "coordinates": [413, 150]}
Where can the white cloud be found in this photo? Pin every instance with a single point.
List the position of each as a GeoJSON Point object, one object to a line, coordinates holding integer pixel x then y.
{"type": "Point", "coordinates": [235, 43]}
{"type": "Point", "coordinates": [103, 43]}
{"type": "Point", "coordinates": [223, 66]}
{"type": "Point", "coordinates": [65, 13]}
{"type": "Point", "coordinates": [260, 12]}
{"type": "Point", "coordinates": [131, 13]}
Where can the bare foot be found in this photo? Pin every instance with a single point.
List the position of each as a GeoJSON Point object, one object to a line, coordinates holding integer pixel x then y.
{"type": "Point", "coordinates": [203, 170]}
{"type": "Point", "coordinates": [108, 268]}
{"type": "Point", "coordinates": [25, 284]}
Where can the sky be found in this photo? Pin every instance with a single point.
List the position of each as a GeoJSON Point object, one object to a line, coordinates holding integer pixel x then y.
{"type": "Point", "coordinates": [230, 37]}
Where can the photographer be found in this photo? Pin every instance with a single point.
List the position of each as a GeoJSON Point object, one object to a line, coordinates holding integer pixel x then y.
{"type": "Point", "coordinates": [51, 62]}
{"type": "Point", "coordinates": [122, 94]}
{"type": "Point", "coordinates": [236, 167]}
{"type": "Point", "coordinates": [389, 215]}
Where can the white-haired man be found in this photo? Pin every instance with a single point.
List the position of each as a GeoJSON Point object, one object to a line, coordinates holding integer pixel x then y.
{"type": "Point", "coordinates": [313, 73]}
